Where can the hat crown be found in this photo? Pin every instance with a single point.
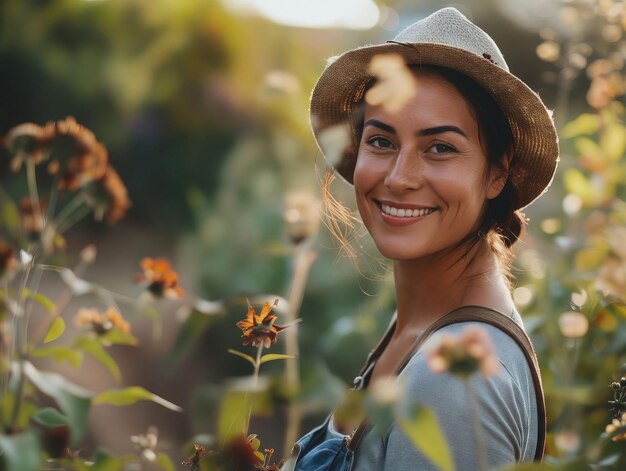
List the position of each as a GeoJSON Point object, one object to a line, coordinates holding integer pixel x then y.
{"type": "Point", "coordinates": [450, 27]}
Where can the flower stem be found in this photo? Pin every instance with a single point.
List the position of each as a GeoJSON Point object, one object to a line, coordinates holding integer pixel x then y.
{"type": "Point", "coordinates": [53, 197]}
{"type": "Point", "coordinates": [478, 428]}
{"type": "Point", "coordinates": [255, 382]}
{"type": "Point", "coordinates": [17, 401]}
{"type": "Point", "coordinates": [31, 178]}
{"type": "Point", "coordinates": [303, 261]}
{"type": "Point", "coordinates": [77, 215]}
{"type": "Point", "coordinates": [20, 344]}
{"type": "Point", "coordinates": [257, 365]}
{"type": "Point", "coordinates": [68, 209]}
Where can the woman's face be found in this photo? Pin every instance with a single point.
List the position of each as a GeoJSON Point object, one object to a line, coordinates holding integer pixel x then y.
{"type": "Point", "coordinates": [421, 177]}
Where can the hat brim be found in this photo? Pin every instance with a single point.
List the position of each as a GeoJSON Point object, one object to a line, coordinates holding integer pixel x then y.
{"type": "Point", "coordinates": [341, 88]}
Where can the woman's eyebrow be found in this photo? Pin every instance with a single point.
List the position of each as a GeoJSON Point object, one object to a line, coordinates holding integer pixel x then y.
{"type": "Point", "coordinates": [422, 132]}
{"type": "Point", "coordinates": [441, 130]}
{"type": "Point", "coordinates": [379, 124]}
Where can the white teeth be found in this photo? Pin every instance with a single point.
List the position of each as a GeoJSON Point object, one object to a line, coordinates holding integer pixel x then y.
{"type": "Point", "coordinates": [406, 212]}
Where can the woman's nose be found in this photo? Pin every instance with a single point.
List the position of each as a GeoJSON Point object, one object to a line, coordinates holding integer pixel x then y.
{"type": "Point", "coordinates": [405, 173]}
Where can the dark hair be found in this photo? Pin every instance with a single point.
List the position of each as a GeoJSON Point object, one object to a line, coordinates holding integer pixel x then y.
{"type": "Point", "coordinates": [501, 224]}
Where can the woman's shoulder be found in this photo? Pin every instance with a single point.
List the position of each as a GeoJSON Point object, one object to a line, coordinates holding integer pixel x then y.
{"type": "Point", "coordinates": [514, 367]}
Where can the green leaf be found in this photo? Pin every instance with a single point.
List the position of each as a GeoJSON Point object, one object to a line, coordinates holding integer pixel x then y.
{"type": "Point", "coordinates": [59, 354]}
{"type": "Point", "coordinates": [274, 356]}
{"type": "Point", "coordinates": [56, 329]}
{"type": "Point", "coordinates": [128, 396]}
{"type": "Point", "coordinates": [73, 400]}
{"type": "Point", "coordinates": [235, 409]}
{"type": "Point", "coordinates": [243, 355]}
{"type": "Point", "coordinates": [20, 452]}
{"type": "Point", "coordinates": [590, 258]}
{"type": "Point", "coordinates": [576, 182]}
{"type": "Point", "coordinates": [585, 123]}
{"type": "Point", "coordinates": [424, 432]}
{"type": "Point", "coordinates": [27, 410]}
{"type": "Point", "coordinates": [93, 347]}
{"type": "Point", "coordinates": [164, 461]}
{"type": "Point", "coordinates": [40, 299]}
{"type": "Point", "coordinates": [589, 147]}
{"type": "Point", "coordinates": [9, 216]}
{"type": "Point", "coordinates": [50, 417]}
{"type": "Point", "coordinates": [613, 141]}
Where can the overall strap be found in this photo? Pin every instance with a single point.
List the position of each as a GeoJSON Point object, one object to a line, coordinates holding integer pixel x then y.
{"type": "Point", "coordinates": [487, 316]}
{"type": "Point", "coordinates": [375, 354]}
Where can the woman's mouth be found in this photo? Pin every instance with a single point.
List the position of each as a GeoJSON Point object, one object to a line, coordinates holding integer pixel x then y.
{"type": "Point", "coordinates": [405, 212]}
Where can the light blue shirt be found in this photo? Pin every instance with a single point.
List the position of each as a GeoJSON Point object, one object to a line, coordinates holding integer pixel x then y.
{"type": "Point", "coordinates": [507, 412]}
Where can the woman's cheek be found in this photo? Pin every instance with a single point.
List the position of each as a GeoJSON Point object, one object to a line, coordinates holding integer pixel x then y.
{"type": "Point", "coordinates": [368, 171]}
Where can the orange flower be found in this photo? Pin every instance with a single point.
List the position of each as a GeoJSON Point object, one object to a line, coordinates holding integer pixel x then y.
{"type": "Point", "coordinates": [260, 328]}
{"type": "Point", "coordinates": [102, 322]}
{"type": "Point", "coordinates": [162, 280]}
{"type": "Point", "coordinates": [28, 140]}
{"type": "Point", "coordinates": [108, 197]}
{"type": "Point", "coordinates": [464, 354]}
{"type": "Point", "coordinates": [77, 154]}
{"type": "Point", "coordinates": [71, 149]}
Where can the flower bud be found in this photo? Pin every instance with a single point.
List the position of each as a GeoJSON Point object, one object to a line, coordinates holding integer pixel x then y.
{"type": "Point", "coordinates": [302, 216]}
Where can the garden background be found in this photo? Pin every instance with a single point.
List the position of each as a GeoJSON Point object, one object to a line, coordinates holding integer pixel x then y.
{"type": "Point", "coordinates": [202, 106]}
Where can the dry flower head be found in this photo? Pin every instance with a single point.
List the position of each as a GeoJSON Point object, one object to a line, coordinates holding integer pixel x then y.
{"type": "Point", "coordinates": [259, 328]}
{"type": "Point", "coordinates": [102, 322]}
{"type": "Point", "coordinates": [193, 461]}
{"type": "Point", "coordinates": [161, 279]}
{"type": "Point", "coordinates": [79, 157]}
{"type": "Point", "coordinates": [28, 141]}
{"type": "Point", "coordinates": [109, 197]}
{"type": "Point", "coordinates": [302, 215]}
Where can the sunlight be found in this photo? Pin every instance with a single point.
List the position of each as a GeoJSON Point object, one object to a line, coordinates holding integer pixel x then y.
{"type": "Point", "coordinates": [351, 14]}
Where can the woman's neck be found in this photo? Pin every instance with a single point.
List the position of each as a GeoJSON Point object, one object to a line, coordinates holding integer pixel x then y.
{"type": "Point", "coordinates": [428, 288]}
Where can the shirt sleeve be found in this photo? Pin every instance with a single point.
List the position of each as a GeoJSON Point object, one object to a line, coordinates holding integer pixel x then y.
{"type": "Point", "coordinates": [506, 412]}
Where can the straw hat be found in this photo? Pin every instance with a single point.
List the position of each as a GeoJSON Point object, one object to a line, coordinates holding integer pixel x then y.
{"type": "Point", "coordinates": [447, 39]}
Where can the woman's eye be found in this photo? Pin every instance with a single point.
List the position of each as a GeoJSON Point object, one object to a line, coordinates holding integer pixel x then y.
{"type": "Point", "coordinates": [380, 142]}
{"type": "Point", "coordinates": [441, 148]}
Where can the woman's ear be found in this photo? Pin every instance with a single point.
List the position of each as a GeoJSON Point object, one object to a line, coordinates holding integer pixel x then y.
{"type": "Point", "coordinates": [498, 175]}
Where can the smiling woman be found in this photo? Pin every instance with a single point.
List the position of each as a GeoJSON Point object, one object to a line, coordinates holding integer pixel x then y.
{"type": "Point", "coordinates": [444, 148]}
